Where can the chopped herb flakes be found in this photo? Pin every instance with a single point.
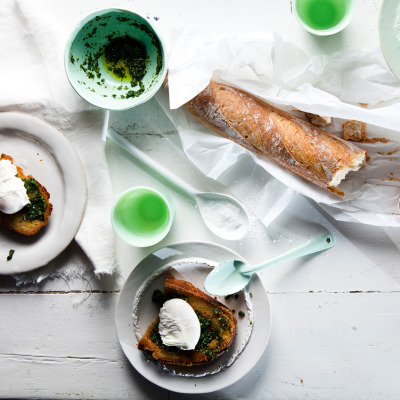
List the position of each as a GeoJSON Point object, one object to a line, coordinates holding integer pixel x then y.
{"type": "Point", "coordinates": [126, 58]}
{"type": "Point", "coordinates": [236, 296]}
{"type": "Point", "coordinates": [10, 255]}
{"type": "Point", "coordinates": [37, 206]}
{"type": "Point", "coordinates": [210, 338]}
{"type": "Point", "coordinates": [157, 297]}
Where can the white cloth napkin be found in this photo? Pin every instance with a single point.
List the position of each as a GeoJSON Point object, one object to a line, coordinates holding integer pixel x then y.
{"type": "Point", "coordinates": [33, 80]}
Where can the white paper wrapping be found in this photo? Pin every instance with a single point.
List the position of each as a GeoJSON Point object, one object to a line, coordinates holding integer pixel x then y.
{"type": "Point", "coordinates": [354, 85]}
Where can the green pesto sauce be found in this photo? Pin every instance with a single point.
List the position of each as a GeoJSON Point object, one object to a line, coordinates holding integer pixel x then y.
{"type": "Point", "coordinates": [157, 297]}
{"type": "Point", "coordinates": [208, 333]}
{"type": "Point", "coordinates": [37, 206]}
{"type": "Point", "coordinates": [10, 255]}
{"type": "Point", "coordinates": [124, 57]}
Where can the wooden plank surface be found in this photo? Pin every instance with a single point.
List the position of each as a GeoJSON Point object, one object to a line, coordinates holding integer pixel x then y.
{"type": "Point", "coordinates": [322, 345]}
{"type": "Point", "coordinates": [335, 317]}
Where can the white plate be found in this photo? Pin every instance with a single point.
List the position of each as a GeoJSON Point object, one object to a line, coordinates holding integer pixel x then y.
{"type": "Point", "coordinates": [389, 34]}
{"type": "Point", "coordinates": [46, 154]}
{"type": "Point", "coordinates": [183, 254]}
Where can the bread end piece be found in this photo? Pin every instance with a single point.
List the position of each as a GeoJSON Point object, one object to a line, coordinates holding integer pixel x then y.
{"type": "Point", "coordinates": [17, 222]}
{"type": "Point", "coordinates": [319, 120]}
{"type": "Point", "coordinates": [355, 130]}
{"type": "Point", "coordinates": [359, 161]}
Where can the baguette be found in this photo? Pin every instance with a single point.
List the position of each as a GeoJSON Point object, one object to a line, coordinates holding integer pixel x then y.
{"type": "Point", "coordinates": [310, 152]}
{"type": "Point", "coordinates": [223, 324]}
{"type": "Point", "coordinates": [20, 221]}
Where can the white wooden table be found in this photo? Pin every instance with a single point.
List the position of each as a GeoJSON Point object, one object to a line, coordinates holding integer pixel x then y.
{"type": "Point", "coordinates": [335, 319]}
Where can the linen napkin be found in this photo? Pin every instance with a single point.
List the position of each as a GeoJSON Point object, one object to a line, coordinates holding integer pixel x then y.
{"type": "Point", "coordinates": [33, 80]}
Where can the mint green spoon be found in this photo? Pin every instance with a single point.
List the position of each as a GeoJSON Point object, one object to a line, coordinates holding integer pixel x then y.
{"type": "Point", "coordinates": [232, 276]}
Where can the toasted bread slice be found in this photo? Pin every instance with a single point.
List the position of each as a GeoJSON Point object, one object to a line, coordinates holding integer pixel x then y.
{"type": "Point", "coordinates": [21, 222]}
{"type": "Point", "coordinates": [218, 328]}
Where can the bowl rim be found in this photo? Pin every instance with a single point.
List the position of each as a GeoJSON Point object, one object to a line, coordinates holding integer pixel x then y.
{"type": "Point", "coordinates": [134, 101]}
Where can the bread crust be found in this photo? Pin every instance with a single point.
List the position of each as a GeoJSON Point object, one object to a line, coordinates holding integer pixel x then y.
{"type": "Point", "coordinates": [209, 308]}
{"type": "Point", "coordinates": [16, 221]}
{"type": "Point", "coordinates": [293, 143]}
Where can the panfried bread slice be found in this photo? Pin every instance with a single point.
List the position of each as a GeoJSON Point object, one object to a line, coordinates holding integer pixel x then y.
{"type": "Point", "coordinates": [23, 222]}
{"type": "Point", "coordinates": [218, 328]}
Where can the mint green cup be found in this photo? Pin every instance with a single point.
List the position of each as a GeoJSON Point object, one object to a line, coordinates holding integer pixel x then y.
{"type": "Point", "coordinates": [142, 216]}
{"type": "Point", "coordinates": [87, 70]}
{"type": "Point", "coordinates": [324, 17]}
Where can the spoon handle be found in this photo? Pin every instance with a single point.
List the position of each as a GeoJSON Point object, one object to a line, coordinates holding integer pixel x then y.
{"type": "Point", "coordinates": [316, 244]}
{"type": "Point", "coordinates": [153, 166]}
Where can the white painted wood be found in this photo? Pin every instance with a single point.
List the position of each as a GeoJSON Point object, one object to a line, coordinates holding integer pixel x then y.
{"type": "Point", "coordinates": [335, 325]}
{"type": "Point", "coordinates": [322, 345]}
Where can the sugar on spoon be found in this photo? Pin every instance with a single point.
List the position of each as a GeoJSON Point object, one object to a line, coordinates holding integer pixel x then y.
{"type": "Point", "coordinates": [233, 275]}
{"type": "Point", "coordinates": [222, 214]}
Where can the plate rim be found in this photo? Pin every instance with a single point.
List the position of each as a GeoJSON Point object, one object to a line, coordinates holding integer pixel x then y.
{"type": "Point", "coordinates": [199, 384]}
{"type": "Point", "coordinates": [36, 128]}
{"type": "Point", "coordinates": [388, 43]}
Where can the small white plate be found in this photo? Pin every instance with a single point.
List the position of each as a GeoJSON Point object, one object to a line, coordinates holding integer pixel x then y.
{"type": "Point", "coordinates": [43, 152]}
{"type": "Point", "coordinates": [389, 34]}
{"type": "Point", "coordinates": [135, 302]}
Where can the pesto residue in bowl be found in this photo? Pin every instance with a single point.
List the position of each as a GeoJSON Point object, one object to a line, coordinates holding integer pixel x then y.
{"type": "Point", "coordinates": [126, 59]}
{"type": "Point", "coordinates": [122, 58]}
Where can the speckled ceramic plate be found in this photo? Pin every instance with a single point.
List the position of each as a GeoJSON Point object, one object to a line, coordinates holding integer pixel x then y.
{"type": "Point", "coordinates": [46, 154]}
{"type": "Point", "coordinates": [389, 34]}
{"type": "Point", "coordinates": [191, 262]}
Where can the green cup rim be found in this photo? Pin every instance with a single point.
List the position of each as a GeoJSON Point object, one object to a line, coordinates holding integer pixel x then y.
{"type": "Point", "coordinates": [331, 31]}
{"type": "Point", "coordinates": [171, 209]}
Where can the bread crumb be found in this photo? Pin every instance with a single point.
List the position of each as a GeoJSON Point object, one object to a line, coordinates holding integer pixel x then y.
{"type": "Point", "coordinates": [319, 120]}
{"type": "Point", "coordinates": [355, 130]}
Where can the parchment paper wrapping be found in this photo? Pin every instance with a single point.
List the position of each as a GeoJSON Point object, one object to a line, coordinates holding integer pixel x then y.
{"type": "Point", "coordinates": [348, 85]}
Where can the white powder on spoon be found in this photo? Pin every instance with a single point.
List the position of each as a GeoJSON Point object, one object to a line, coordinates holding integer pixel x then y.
{"type": "Point", "coordinates": [223, 217]}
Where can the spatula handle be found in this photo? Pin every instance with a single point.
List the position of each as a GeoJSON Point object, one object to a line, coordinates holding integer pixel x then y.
{"type": "Point", "coordinates": [316, 244]}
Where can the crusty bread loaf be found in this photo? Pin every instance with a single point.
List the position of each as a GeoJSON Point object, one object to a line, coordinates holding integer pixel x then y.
{"type": "Point", "coordinates": [222, 326]}
{"type": "Point", "coordinates": [295, 144]}
{"type": "Point", "coordinates": [19, 222]}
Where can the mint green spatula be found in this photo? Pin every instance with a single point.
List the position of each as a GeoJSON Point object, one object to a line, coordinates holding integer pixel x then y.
{"type": "Point", "coordinates": [232, 276]}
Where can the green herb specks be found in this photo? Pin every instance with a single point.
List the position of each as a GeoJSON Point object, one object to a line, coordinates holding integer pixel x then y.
{"type": "Point", "coordinates": [37, 206]}
{"type": "Point", "coordinates": [10, 255]}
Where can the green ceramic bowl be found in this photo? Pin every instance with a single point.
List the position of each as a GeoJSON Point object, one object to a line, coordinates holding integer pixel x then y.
{"type": "Point", "coordinates": [90, 73]}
